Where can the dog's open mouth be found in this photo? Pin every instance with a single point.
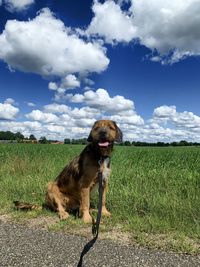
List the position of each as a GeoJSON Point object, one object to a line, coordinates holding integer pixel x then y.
{"type": "Point", "coordinates": [103, 143]}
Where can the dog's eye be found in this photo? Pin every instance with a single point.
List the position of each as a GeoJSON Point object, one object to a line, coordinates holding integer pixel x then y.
{"type": "Point", "coordinates": [112, 128]}
{"type": "Point", "coordinates": [96, 128]}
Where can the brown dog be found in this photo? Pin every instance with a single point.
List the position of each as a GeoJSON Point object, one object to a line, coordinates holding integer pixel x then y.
{"type": "Point", "coordinates": [73, 185]}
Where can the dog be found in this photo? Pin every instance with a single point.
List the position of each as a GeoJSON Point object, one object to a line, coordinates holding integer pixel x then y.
{"type": "Point", "coordinates": [71, 188]}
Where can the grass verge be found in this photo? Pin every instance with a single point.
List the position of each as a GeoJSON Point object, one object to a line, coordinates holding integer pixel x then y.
{"type": "Point", "coordinates": [154, 193]}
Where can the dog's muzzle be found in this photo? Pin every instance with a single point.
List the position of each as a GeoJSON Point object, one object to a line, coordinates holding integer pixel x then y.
{"type": "Point", "coordinates": [103, 139]}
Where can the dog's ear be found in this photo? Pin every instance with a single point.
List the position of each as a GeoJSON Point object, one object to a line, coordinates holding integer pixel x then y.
{"type": "Point", "coordinates": [90, 138]}
{"type": "Point", "coordinates": [119, 135]}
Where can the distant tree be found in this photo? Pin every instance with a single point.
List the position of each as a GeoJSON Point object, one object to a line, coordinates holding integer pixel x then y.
{"type": "Point", "coordinates": [67, 141]}
{"type": "Point", "coordinates": [43, 140]}
{"type": "Point", "coordinates": [7, 136]}
{"type": "Point", "coordinates": [2, 136]}
{"type": "Point", "coordinates": [195, 144]}
{"type": "Point", "coordinates": [19, 136]}
{"type": "Point", "coordinates": [32, 137]}
{"type": "Point", "coordinates": [138, 143]}
{"type": "Point", "coordinates": [174, 144]}
{"type": "Point", "coordinates": [83, 141]}
{"type": "Point", "coordinates": [160, 144]}
{"type": "Point", "coordinates": [127, 143]}
{"type": "Point", "coordinates": [183, 143]}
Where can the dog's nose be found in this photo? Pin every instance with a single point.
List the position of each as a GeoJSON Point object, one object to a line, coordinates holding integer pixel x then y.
{"type": "Point", "coordinates": [103, 133]}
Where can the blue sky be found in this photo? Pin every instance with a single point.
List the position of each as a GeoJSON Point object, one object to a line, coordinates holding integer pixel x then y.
{"type": "Point", "coordinates": [65, 64]}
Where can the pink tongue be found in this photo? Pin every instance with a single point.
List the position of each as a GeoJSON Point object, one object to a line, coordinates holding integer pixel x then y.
{"type": "Point", "coordinates": [104, 144]}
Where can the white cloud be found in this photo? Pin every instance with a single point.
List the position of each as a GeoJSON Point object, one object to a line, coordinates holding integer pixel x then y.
{"type": "Point", "coordinates": [102, 101]}
{"type": "Point", "coordinates": [64, 127]}
{"type": "Point", "coordinates": [167, 26]}
{"type": "Point", "coordinates": [85, 123]}
{"type": "Point", "coordinates": [70, 82]}
{"type": "Point", "coordinates": [84, 113]}
{"type": "Point", "coordinates": [133, 119]}
{"type": "Point", "coordinates": [38, 115]}
{"type": "Point", "coordinates": [23, 127]}
{"type": "Point", "coordinates": [55, 129]}
{"type": "Point", "coordinates": [26, 128]}
{"type": "Point", "coordinates": [69, 123]}
{"type": "Point", "coordinates": [66, 122]}
{"type": "Point", "coordinates": [88, 81]}
{"type": "Point", "coordinates": [187, 120]}
{"type": "Point", "coordinates": [45, 46]}
{"type": "Point", "coordinates": [58, 121]}
{"type": "Point", "coordinates": [111, 22]}
{"type": "Point", "coordinates": [53, 86]}
{"type": "Point", "coordinates": [66, 83]}
{"type": "Point", "coordinates": [17, 5]}
{"type": "Point", "coordinates": [10, 101]}
{"type": "Point", "coordinates": [147, 133]}
{"type": "Point", "coordinates": [181, 120]}
{"type": "Point", "coordinates": [72, 113]}
{"type": "Point", "coordinates": [56, 108]}
{"type": "Point", "coordinates": [170, 29]}
{"type": "Point", "coordinates": [31, 104]}
{"type": "Point", "coordinates": [8, 111]}
{"type": "Point", "coordinates": [87, 88]}
{"type": "Point", "coordinates": [164, 112]}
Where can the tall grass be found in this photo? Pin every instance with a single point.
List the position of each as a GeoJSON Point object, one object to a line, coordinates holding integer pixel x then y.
{"type": "Point", "coordinates": [151, 190]}
{"type": "Point", "coordinates": [26, 169]}
{"type": "Point", "coordinates": [157, 189]}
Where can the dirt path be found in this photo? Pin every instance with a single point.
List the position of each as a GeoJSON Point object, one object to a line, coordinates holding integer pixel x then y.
{"type": "Point", "coordinates": [34, 247]}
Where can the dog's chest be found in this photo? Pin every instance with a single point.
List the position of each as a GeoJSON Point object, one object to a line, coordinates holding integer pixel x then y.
{"type": "Point", "coordinates": [105, 168]}
{"type": "Point", "coordinates": [105, 171]}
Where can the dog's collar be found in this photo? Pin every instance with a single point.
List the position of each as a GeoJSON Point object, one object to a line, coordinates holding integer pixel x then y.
{"type": "Point", "coordinates": [104, 157]}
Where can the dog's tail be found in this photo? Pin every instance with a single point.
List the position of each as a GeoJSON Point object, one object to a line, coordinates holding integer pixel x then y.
{"type": "Point", "coordinates": [26, 206]}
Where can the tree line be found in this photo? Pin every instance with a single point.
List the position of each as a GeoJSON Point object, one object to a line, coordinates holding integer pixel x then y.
{"type": "Point", "coordinates": [19, 137]}
{"type": "Point", "coordinates": [160, 144]}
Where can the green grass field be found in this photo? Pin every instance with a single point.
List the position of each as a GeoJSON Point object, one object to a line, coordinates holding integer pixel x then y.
{"type": "Point", "coordinates": [154, 193]}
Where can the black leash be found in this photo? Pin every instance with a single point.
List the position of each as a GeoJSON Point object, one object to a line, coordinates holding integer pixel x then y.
{"type": "Point", "coordinates": [95, 227]}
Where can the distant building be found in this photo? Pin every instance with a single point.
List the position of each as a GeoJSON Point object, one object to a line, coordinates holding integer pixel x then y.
{"type": "Point", "coordinates": [57, 143]}
{"type": "Point", "coordinates": [29, 141]}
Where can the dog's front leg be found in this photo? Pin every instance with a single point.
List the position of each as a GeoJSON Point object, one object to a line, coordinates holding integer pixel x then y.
{"type": "Point", "coordinates": [105, 212]}
{"type": "Point", "coordinates": [85, 205]}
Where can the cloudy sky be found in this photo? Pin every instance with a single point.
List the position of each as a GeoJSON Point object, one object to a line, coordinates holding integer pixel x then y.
{"type": "Point", "coordinates": [65, 64]}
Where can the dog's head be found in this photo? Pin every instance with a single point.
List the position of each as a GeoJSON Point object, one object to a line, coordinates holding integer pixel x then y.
{"type": "Point", "coordinates": [105, 133]}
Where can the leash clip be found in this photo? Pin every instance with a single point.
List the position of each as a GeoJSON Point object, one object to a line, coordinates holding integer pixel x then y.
{"type": "Point", "coordinates": [99, 162]}
{"type": "Point", "coordinates": [94, 227]}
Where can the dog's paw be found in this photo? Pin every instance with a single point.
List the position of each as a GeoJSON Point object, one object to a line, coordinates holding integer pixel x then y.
{"type": "Point", "coordinates": [87, 218]}
{"type": "Point", "coordinates": [105, 212]}
{"type": "Point", "coordinates": [63, 215]}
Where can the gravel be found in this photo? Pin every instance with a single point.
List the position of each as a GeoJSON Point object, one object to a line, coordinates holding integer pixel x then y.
{"type": "Point", "coordinates": [33, 247]}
